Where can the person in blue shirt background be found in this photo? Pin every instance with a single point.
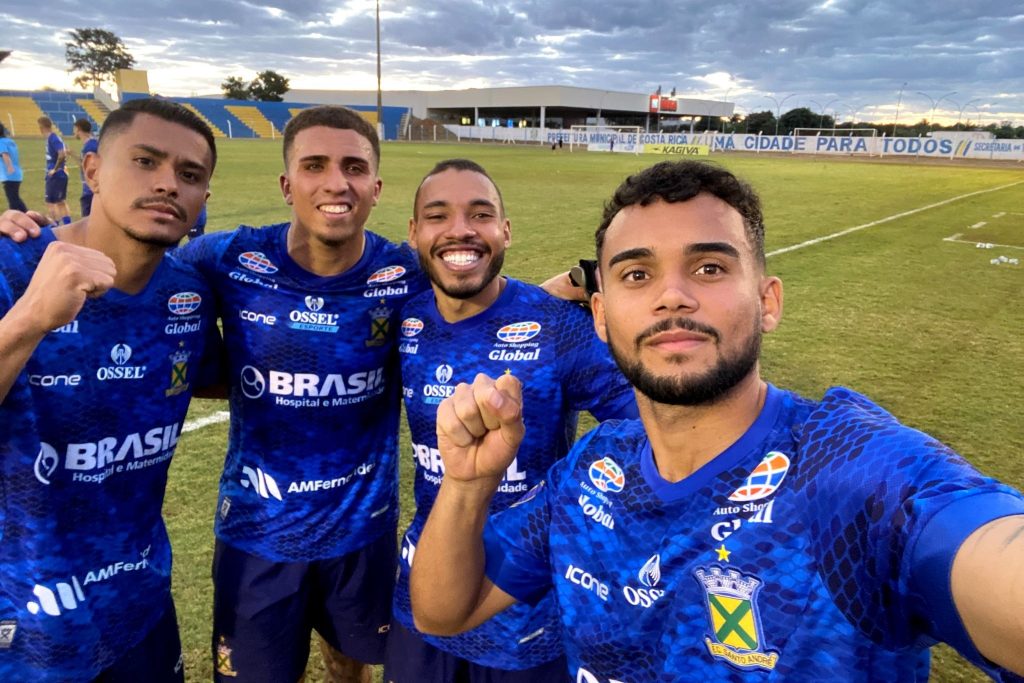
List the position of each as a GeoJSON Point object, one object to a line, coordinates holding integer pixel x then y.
{"type": "Point", "coordinates": [83, 131]}
{"type": "Point", "coordinates": [10, 171]}
{"type": "Point", "coordinates": [56, 173]}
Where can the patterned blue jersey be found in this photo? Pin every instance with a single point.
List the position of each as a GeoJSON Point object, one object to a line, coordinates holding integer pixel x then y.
{"type": "Point", "coordinates": [550, 345]}
{"type": "Point", "coordinates": [86, 437]}
{"type": "Point", "coordinates": [817, 546]}
{"type": "Point", "coordinates": [311, 467]}
{"type": "Point", "coordinates": [54, 146]}
{"type": "Point", "coordinates": [90, 146]}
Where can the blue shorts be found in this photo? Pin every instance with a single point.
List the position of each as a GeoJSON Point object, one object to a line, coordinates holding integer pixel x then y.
{"type": "Point", "coordinates": [263, 612]}
{"type": "Point", "coordinates": [410, 659]}
{"type": "Point", "coordinates": [86, 202]}
{"type": "Point", "coordinates": [56, 188]}
{"type": "Point", "coordinates": [156, 659]}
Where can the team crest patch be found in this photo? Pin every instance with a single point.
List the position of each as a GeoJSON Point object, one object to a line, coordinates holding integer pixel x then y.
{"type": "Point", "coordinates": [224, 667]}
{"type": "Point", "coordinates": [731, 598]}
{"type": "Point", "coordinates": [764, 480]}
{"type": "Point", "coordinates": [380, 325]}
{"type": "Point", "coordinates": [179, 372]}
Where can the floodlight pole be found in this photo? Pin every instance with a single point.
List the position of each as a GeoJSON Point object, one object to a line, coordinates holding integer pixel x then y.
{"type": "Point", "coordinates": [778, 108]}
{"type": "Point", "coordinates": [960, 113]}
{"type": "Point", "coordinates": [935, 103]}
{"type": "Point", "coordinates": [822, 109]}
{"type": "Point", "coordinates": [899, 101]}
{"type": "Point", "coordinates": [380, 106]}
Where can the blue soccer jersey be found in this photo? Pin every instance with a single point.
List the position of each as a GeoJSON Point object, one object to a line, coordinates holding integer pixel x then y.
{"type": "Point", "coordinates": [551, 346]}
{"type": "Point", "coordinates": [86, 436]}
{"type": "Point", "coordinates": [90, 146]}
{"type": "Point", "coordinates": [311, 467]}
{"type": "Point", "coordinates": [806, 551]}
{"type": "Point", "coordinates": [54, 146]}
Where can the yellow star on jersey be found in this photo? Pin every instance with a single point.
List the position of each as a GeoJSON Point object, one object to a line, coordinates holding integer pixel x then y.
{"type": "Point", "coordinates": [723, 554]}
{"type": "Point", "coordinates": [508, 371]}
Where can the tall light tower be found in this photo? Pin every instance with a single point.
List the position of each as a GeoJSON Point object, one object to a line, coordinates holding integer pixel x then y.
{"type": "Point", "coordinates": [935, 103]}
{"type": "Point", "coordinates": [380, 105]}
{"type": "Point", "coordinates": [778, 108]}
{"type": "Point", "coordinates": [899, 101]}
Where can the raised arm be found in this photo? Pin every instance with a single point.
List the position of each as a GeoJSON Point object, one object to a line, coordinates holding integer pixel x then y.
{"type": "Point", "coordinates": [66, 275]}
{"type": "Point", "coordinates": [479, 429]}
{"type": "Point", "coordinates": [988, 590]}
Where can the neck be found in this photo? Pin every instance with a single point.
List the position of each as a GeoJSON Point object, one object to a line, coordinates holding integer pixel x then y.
{"type": "Point", "coordinates": [324, 259]}
{"type": "Point", "coordinates": [453, 310]}
{"type": "Point", "coordinates": [685, 438]}
{"type": "Point", "coordinates": [135, 261]}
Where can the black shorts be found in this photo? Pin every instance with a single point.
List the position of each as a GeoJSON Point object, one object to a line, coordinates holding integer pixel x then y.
{"type": "Point", "coordinates": [410, 659]}
{"type": "Point", "coordinates": [56, 188]}
{"type": "Point", "coordinates": [156, 659]}
{"type": "Point", "coordinates": [264, 611]}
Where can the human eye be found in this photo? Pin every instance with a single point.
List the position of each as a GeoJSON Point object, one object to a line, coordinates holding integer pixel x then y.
{"type": "Point", "coordinates": [710, 269]}
{"type": "Point", "coordinates": [144, 161]}
{"type": "Point", "coordinates": [634, 274]}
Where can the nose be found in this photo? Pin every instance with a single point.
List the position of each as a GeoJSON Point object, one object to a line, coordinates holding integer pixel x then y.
{"type": "Point", "coordinates": [336, 181]}
{"type": "Point", "coordinates": [460, 227]}
{"type": "Point", "coordinates": [676, 294]}
{"type": "Point", "coordinates": [165, 180]}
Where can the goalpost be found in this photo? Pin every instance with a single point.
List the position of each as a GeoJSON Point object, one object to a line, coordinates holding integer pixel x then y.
{"type": "Point", "coordinates": [625, 139]}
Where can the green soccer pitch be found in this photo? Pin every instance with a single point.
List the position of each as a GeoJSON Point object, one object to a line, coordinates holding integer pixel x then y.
{"type": "Point", "coordinates": [906, 308]}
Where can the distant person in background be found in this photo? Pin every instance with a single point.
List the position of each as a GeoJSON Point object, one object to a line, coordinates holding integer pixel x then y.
{"type": "Point", "coordinates": [90, 145]}
{"type": "Point", "coordinates": [10, 171]}
{"type": "Point", "coordinates": [56, 173]}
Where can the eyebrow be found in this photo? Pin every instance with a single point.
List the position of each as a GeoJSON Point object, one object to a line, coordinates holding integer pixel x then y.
{"type": "Point", "coordinates": [638, 253]}
{"type": "Point", "coordinates": [439, 203]}
{"type": "Point", "coordinates": [325, 158]}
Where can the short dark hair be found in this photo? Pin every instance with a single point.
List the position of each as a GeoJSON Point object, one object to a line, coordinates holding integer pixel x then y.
{"type": "Point", "coordinates": [83, 125]}
{"type": "Point", "coordinates": [331, 116]}
{"type": "Point", "coordinates": [457, 165]}
{"type": "Point", "coordinates": [123, 116]}
{"type": "Point", "coordinates": [45, 121]}
{"type": "Point", "coordinates": [3, 131]}
{"type": "Point", "coordinates": [680, 181]}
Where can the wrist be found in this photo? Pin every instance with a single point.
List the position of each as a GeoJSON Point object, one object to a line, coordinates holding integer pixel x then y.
{"type": "Point", "coordinates": [22, 325]}
{"type": "Point", "coordinates": [472, 491]}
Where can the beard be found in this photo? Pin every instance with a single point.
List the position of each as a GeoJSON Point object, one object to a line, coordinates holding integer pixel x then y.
{"type": "Point", "coordinates": [157, 242]}
{"type": "Point", "coordinates": [701, 389]}
{"type": "Point", "coordinates": [461, 288]}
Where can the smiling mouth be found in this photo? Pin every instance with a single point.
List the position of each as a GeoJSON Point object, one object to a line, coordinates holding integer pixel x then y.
{"type": "Point", "coordinates": [335, 209]}
{"type": "Point", "coordinates": [461, 258]}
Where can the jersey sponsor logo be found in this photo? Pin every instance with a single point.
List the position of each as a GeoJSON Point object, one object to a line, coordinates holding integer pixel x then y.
{"type": "Point", "coordinates": [762, 515]}
{"type": "Point", "coordinates": [587, 581]}
{"type": "Point", "coordinates": [764, 480]}
{"type": "Point", "coordinates": [46, 463]}
{"type": "Point", "coordinates": [596, 512]}
{"type": "Point", "coordinates": [261, 318]}
{"type": "Point", "coordinates": [412, 348]}
{"type": "Point", "coordinates": [397, 289]}
{"type": "Point", "coordinates": [66, 596]}
{"type": "Point", "coordinates": [242, 276]}
{"type": "Point", "coordinates": [606, 475]}
{"type": "Point", "coordinates": [584, 676]}
{"type": "Point", "coordinates": [506, 355]}
{"type": "Point", "coordinates": [515, 333]}
{"type": "Point", "coordinates": [111, 454]}
{"type": "Point", "coordinates": [380, 324]}
{"type": "Point", "coordinates": [649, 576]}
{"type": "Point", "coordinates": [262, 483]}
{"type": "Point", "coordinates": [431, 466]}
{"type": "Point", "coordinates": [315, 485]}
{"type": "Point", "coordinates": [411, 327]}
{"type": "Point", "coordinates": [184, 303]}
{"type": "Point", "coordinates": [735, 633]}
{"type": "Point", "coordinates": [55, 380]}
{"type": "Point", "coordinates": [313, 319]}
{"type": "Point", "coordinates": [70, 328]}
{"type": "Point", "coordinates": [120, 354]}
{"type": "Point", "coordinates": [257, 262]}
{"type": "Point", "coordinates": [311, 390]}
{"type": "Point", "coordinates": [386, 274]}
{"type": "Point", "coordinates": [435, 393]}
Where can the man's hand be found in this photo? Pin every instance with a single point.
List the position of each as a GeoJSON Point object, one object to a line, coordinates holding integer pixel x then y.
{"type": "Point", "coordinates": [562, 287]}
{"type": "Point", "coordinates": [480, 427]}
{"type": "Point", "coordinates": [67, 274]}
{"type": "Point", "coordinates": [20, 226]}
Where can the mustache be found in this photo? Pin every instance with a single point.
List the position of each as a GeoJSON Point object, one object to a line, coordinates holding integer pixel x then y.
{"type": "Point", "coordinates": [144, 202]}
{"type": "Point", "coordinates": [677, 324]}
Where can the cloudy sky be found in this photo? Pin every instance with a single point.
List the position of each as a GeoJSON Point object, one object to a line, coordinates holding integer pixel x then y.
{"type": "Point", "coordinates": [852, 57]}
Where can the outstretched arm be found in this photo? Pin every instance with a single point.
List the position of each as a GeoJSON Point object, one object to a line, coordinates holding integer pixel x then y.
{"type": "Point", "coordinates": [479, 429]}
{"type": "Point", "coordinates": [988, 589]}
{"type": "Point", "coordinates": [66, 275]}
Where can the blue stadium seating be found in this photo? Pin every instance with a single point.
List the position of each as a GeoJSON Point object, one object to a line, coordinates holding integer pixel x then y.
{"type": "Point", "coordinates": [59, 106]}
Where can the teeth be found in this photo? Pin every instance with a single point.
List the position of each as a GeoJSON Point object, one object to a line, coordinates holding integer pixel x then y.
{"type": "Point", "coordinates": [461, 258]}
{"type": "Point", "coordinates": [335, 208]}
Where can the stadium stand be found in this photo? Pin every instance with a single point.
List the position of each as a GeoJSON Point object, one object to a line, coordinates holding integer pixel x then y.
{"type": "Point", "coordinates": [210, 115]}
{"type": "Point", "coordinates": [254, 119]}
{"type": "Point", "coordinates": [19, 114]}
{"type": "Point", "coordinates": [96, 110]}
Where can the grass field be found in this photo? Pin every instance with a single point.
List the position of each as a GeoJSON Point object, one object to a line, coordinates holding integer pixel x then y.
{"type": "Point", "coordinates": [927, 327]}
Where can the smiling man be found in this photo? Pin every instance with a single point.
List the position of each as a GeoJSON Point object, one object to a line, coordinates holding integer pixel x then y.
{"type": "Point", "coordinates": [755, 532]}
{"type": "Point", "coordinates": [308, 505]}
{"type": "Point", "coordinates": [100, 344]}
{"type": "Point", "coordinates": [476, 320]}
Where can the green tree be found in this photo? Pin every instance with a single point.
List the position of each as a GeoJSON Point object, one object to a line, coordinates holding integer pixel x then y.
{"type": "Point", "coordinates": [760, 122]}
{"type": "Point", "coordinates": [268, 86]}
{"type": "Point", "coordinates": [235, 88]}
{"type": "Point", "coordinates": [97, 53]}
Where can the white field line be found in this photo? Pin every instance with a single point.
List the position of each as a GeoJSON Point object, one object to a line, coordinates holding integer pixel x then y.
{"type": "Point", "coordinates": [979, 224]}
{"type": "Point", "coordinates": [223, 415]}
{"type": "Point", "coordinates": [975, 243]}
{"type": "Point", "coordinates": [887, 219]}
{"type": "Point", "coordinates": [199, 423]}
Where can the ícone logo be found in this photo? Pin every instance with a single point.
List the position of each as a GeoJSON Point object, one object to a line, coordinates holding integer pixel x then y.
{"type": "Point", "coordinates": [607, 476]}
{"type": "Point", "coordinates": [257, 262]}
{"type": "Point", "coordinates": [411, 327]}
{"type": "Point", "coordinates": [764, 480]}
{"type": "Point", "coordinates": [386, 274]}
{"type": "Point", "coordinates": [184, 303]}
{"type": "Point", "coordinates": [514, 333]}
